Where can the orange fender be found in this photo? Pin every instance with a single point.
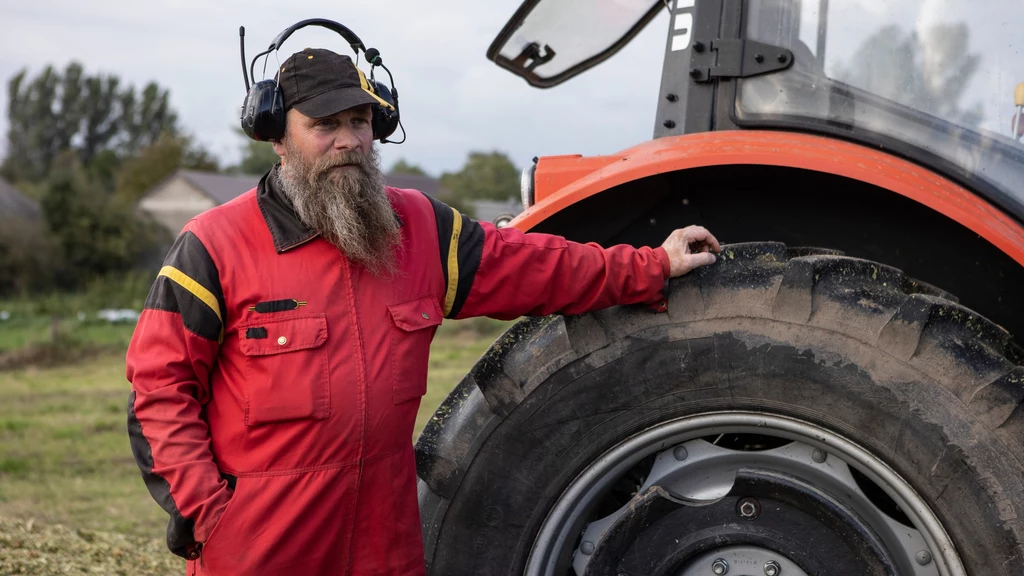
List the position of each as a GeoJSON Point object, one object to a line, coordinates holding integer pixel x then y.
{"type": "Point", "coordinates": [561, 181]}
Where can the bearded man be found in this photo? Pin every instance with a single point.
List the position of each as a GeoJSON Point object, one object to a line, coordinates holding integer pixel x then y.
{"type": "Point", "coordinates": [278, 365]}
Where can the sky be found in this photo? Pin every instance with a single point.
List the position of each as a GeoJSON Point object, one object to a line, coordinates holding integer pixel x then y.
{"type": "Point", "coordinates": [453, 100]}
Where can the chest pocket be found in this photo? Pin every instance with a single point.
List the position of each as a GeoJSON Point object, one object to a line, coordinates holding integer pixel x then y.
{"type": "Point", "coordinates": [413, 326]}
{"type": "Point", "coordinates": [286, 369]}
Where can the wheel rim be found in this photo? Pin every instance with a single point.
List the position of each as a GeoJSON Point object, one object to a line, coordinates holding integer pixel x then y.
{"type": "Point", "coordinates": [815, 463]}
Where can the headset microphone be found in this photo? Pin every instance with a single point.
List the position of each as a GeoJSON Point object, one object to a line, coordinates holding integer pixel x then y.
{"type": "Point", "coordinates": [374, 59]}
{"type": "Point", "coordinates": [241, 49]}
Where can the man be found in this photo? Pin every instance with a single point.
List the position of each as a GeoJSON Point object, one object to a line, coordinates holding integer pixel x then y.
{"type": "Point", "coordinates": [279, 362]}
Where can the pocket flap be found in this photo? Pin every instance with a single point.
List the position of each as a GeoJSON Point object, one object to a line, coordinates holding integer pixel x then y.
{"type": "Point", "coordinates": [283, 335]}
{"type": "Point", "coordinates": [416, 314]}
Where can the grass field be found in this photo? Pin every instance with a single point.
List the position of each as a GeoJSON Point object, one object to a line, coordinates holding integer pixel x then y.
{"type": "Point", "coordinates": [71, 497]}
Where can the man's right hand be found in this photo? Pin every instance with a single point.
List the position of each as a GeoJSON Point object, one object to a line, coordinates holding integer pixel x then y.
{"type": "Point", "coordinates": [689, 248]}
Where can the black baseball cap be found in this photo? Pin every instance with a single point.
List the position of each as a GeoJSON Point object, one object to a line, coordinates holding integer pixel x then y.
{"type": "Point", "coordinates": [321, 83]}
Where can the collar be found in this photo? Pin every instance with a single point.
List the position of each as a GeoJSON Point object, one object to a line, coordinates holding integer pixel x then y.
{"type": "Point", "coordinates": [285, 226]}
{"type": "Point", "coordinates": [287, 230]}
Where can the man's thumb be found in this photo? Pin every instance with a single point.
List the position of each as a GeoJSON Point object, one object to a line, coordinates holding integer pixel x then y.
{"type": "Point", "coordinates": [694, 261]}
{"type": "Point", "coordinates": [703, 259]}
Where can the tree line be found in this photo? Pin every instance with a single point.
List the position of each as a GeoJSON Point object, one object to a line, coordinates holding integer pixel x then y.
{"type": "Point", "coordinates": [88, 146]}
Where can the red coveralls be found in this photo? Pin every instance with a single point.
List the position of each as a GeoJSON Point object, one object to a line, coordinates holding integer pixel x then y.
{"type": "Point", "coordinates": [275, 384]}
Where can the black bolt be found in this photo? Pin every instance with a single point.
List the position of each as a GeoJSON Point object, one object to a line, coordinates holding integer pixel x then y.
{"type": "Point", "coordinates": [695, 73]}
{"type": "Point", "coordinates": [758, 58]}
{"type": "Point", "coordinates": [672, 97]}
{"type": "Point", "coordinates": [698, 46]}
{"type": "Point", "coordinates": [783, 58]}
{"type": "Point", "coordinates": [669, 123]}
{"type": "Point", "coordinates": [748, 508]}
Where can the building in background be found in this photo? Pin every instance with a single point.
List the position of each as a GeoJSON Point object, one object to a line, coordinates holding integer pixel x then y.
{"type": "Point", "coordinates": [15, 205]}
{"type": "Point", "coordinates": [497, 213]}
{"type": "Point", "coordinates": [187, 193]}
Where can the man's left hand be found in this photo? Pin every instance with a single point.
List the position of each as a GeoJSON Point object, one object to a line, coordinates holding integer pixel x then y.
{"type": "Point", "coordinates": [689, 248]}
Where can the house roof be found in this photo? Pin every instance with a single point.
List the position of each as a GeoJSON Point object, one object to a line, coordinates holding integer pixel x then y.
{"type": "Point", "coordinates": [425, 184]}
{"type": "Point", "coordinates": [14, 203]}
{"type": "Point", "coordinates": [221, 188]}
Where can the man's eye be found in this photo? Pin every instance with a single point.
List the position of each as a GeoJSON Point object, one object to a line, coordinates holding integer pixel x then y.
{"type": "Point", "coordinates": [361, 121]}
{"type": "Point", "coordinates": [325, 124]}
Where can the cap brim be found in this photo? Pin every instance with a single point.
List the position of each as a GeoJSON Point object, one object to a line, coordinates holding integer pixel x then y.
{"type": "Point", "coordinates": [333, 101]}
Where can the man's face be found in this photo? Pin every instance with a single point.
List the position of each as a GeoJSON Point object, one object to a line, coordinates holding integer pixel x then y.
{"type": "Point", "coordinates": [331, 172]}
{"type": "Point", "coordinates": [313, 138]}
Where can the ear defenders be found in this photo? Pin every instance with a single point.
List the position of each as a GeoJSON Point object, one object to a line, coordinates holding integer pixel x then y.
{"type": "Point", "coordinates": [263, 114]}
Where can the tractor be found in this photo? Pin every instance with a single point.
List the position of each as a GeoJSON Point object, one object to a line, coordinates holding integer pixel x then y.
{"type": "Point", "coordinates": [842, 392]}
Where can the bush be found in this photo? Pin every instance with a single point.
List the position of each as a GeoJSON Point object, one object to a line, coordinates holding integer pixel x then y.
{"type": "Point", "coordinates": [28, 256]}
{"type": "Point", "coordinates": [122, 290]}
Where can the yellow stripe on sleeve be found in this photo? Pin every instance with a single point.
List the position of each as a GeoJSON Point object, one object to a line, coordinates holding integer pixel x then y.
{"type": "Point", "coordinates": [195, 288]}
{"type": "Point", "coordinates": [453, 262]}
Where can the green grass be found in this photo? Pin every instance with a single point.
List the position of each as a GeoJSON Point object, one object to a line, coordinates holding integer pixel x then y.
{"type": "Point", "coordinates": [64, 453]}
{"type": "Point", "coordinates": [62, 327]}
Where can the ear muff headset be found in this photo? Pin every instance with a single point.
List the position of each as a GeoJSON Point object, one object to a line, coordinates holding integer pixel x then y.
{"type": "Point", "coordinates": [263, 114]}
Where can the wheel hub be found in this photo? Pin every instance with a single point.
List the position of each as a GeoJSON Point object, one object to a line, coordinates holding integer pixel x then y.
{"type": "Point", "coordinates": [795, 507]}
{"type": "Point", "coordinates": [741, 561]}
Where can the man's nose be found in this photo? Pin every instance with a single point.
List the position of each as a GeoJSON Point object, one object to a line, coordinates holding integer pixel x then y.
{"type": "Point", "coordinates": [346, 139]}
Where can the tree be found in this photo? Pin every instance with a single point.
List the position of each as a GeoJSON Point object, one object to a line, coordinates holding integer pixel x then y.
{"type": "Point", "coordinates": [28, 256]}
{"type": "Point", "coordinates": [96, 232]}
{"type": "Point", "coordinates": [403, 167]}
{"type": "Point", "coordinates": [257, 157]}
{"type": "Point", "coordinates": [69, 110]}
{"type": "Point", "coordinates": [485, 176]}
{"type": "Point", "coordinates": [158, 161]}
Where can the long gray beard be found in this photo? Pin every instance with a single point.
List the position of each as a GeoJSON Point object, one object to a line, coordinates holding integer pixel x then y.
{"type": "Point", "coordinates": [350, 209]}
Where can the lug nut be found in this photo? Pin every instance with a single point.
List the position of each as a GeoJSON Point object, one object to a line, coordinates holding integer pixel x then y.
{"type": "Point", "coordinates": [818, 455]}
{"type": "Point", "coordinates": [923, 557]}
{"type": "Point", "coordinates": [587, 548]}
{"type": "Point", "coordinates": [680, 453]}
{"type": "Point", "coordinates": [720, 567]}
{"type": "Point", "coordinates": [772, 568]}
{"type": "Point", "coordinates": [748, 508]}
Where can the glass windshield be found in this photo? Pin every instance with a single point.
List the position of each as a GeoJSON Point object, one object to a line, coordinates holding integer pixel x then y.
{"type": "Point", "coordinates": [931, 79]}
{"type": "Point", "coordinates": [549, 41]}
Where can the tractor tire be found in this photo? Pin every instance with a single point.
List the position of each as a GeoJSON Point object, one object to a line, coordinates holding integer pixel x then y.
{"type": "Point", "coordinates": [795, 411]}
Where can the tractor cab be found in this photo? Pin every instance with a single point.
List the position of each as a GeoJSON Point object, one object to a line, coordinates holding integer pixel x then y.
{"type": "Point", "coordinates": [937, 82]}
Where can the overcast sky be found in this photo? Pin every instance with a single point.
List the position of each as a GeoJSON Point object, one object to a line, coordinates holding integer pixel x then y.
{"type": "Point", "coordinates": [453, 99]}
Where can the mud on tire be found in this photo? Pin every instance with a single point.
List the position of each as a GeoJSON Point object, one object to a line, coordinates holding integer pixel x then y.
{"type": "Point", "coordinates": [895, 366]}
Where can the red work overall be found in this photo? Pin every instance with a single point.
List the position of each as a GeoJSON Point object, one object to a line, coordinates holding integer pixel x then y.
{"type": "Point", "coordinates": [275, 384]}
